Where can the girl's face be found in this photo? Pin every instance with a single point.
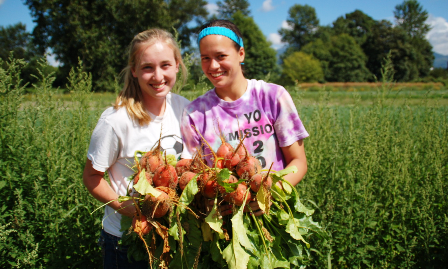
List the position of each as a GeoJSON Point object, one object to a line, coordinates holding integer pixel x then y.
{"type": "Point", "coordinates": [220, 60]}
{"type": "Point", "coordinates": [156, 71]}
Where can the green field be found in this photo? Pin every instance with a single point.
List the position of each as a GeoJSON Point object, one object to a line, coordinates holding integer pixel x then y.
{"type": "Point", "coordinates": [377, 175]}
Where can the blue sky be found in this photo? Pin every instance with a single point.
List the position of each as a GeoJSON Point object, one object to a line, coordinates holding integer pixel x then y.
{"type": "Point", "coordinates": [271, 15]}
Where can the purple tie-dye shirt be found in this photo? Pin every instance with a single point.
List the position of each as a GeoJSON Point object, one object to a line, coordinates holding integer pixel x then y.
{"type": "Point", "coordinates": [265, 113]}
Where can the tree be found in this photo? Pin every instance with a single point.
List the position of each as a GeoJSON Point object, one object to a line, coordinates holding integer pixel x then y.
{"type": "Point", "coordinates": [384, 39]}
{"type": "Point", "coordinates": [17, 40]}
{"type": "Point", "coordinates": [14, 38]}
{"type": "Point", "coordinates": [411, 17]}
{"type": "Point", "coordinates": [348, 61]}
{"type": "Point", "coordinates": [98, 32]}
{"type": "Point", "coordinates": [319, 49]}
{"type": "Point", "coordinates": [301, 67]}
{"type": "Point", "coordinates": [229, 7]}
{"type": "Point", "coordinates": [439, 73]}
{"type": "Point", "coordinates": [303, 24]}
{"type": "Point", "coordinates": [260, 57]}
{"type": "Point", "coordinates": [356, 24]}
{"type": "Point", "coordinates": [342, 59]}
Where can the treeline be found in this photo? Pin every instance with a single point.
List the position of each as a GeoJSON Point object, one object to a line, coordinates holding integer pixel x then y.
{"type": "Point", "coordinates": [352, 49]}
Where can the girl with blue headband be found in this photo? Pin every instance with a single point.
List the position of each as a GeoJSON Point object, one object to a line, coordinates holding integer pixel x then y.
{"type": "Point", "coordinates": [262, 112]}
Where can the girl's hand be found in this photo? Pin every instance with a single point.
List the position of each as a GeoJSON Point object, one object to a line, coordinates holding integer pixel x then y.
{"type": "Point", "coordinates": [254, 208]}
{"type": "Point", "coordinates": [127, 208]}
{"type": "Point", "coordinates": [224, 208]}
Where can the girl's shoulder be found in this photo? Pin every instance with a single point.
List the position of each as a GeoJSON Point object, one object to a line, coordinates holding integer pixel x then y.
{"type": "Point", "coordinates": [263, 86]}
{"type": "Point", "coordinates": [111, 113]}
{"type": "Point", "coordinates": [203, 102]}
{"type": "Point", "coordinates": [176, 99]}
{"type": "Point", "coordinates": [177, 103]}
{"type": "Point", "coordinates": [116, 118]}
{"type": "Point", "coordinates": [260, 89]}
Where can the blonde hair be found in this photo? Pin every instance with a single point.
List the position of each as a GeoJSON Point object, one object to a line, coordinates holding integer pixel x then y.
{"type": "Point", "coordinates": [131, 96]}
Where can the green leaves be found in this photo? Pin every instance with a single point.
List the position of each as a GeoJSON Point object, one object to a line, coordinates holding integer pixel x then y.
{"type": "Point", "coordinates": [188, 194]}
{"type": "Point", "coordinates": [143, 187]}
{"type": "Point", "coordinates": [234, 254]}
{"type": "Point", "coordinates": [171, 159]}
{"type": "Point", "coordinates": [222, 176]}
{"type": "Point", "coordinates": [125, 223]}
{"type": "Point", "coordinates": [262, 198]}
{"type": "Point", "coordinates": [215, 221]}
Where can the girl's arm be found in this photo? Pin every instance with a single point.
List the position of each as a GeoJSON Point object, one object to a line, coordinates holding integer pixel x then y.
{"type": "Point", "coordinates": [295, 155]}
{"type": "Point", "coordinates": [101, 190]}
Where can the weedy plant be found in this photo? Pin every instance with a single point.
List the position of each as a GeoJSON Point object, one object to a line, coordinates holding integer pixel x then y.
{"type": "Point", "coordinates": [377, 176]}
{"type": "Point", "coordinates": [43, 147]}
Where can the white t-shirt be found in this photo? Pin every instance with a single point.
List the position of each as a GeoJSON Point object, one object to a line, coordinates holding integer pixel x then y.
{"type": "Point", "coordinates": [116, 138]}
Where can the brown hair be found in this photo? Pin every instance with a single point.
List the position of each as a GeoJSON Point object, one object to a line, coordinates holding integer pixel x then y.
{"type": "Point", "coordinates": [131, 96]}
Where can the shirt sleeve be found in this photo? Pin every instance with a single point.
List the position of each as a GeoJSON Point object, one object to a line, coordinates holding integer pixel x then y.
{"type": "Point", "coordinates": [104, 146]}
{"type": "Point", "coordinates": [189, 136]}
{"type": "Point", "coordinates": [288, 126]}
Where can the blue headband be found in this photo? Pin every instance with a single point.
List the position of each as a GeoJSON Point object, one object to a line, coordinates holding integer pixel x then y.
{"type": "Point", "coordinates": [216, 30]}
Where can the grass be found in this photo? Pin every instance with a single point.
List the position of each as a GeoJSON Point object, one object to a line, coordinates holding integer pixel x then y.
{"type": "Point", "coordinates": [377, 170]}
{"type": "Point", "coordinates": [331, 98]}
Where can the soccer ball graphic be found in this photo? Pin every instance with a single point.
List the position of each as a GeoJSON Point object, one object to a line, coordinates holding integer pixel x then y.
{"type": "Point", "coordinates": [172, 144]}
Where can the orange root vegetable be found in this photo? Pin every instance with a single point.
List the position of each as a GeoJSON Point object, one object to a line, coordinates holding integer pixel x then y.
{"type": "Point", "coordinates": [241, 150]}
{"type": "Point", "coordinates": [157, 207]}
{"type": "Point", "coordinates": [165, 176]}
{"type": "Point", "coordinates": [204, 177]}
{"type": "Point", "coordinates": [260, 179]}
{"type": "Point", "coordinates": [210, 189]}
{"type": "Point", "coordinates": [153, 158]}
{"type": "Point", "coordinates": [224, 149]}
{"type": "Point", "coordinates": [267, 182]}
{"type": "Point", "coordinates": [255, 182]}
{"type": "Point", "coordinates": [219, 164]}
{"type": "Point", "coordinates": [183, 166]}
{"type": "Point", "coordinates": [225, 146]}
{"type": "Point", "coordinates": [248, 167]}
{"type": "Point", "coordinates": [231, 179]}
{"type": "Point", "coordinates": [185, 179]}
{"type": "Point", "coordinates": [153, 162]}
{"type": "Point", "coordinates": [141, 225]}
{"type": "Point", "coordinates": [237, 197]}
{"type": "Point", "coordinates": [147, 175]}
{"type": "Point", "coordinates": [231, 160]}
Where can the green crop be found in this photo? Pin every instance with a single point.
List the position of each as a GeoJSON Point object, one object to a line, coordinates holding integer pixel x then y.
{"type": "Point", "coordinates": [377, 175]}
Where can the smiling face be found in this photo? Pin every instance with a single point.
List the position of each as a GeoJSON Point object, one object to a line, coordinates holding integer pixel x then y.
{"type": "Point", "coordinates": [156, 71]}
{"type": "Point", "coordinates": [221, 62]}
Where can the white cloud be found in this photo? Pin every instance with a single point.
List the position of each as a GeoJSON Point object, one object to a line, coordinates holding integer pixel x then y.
{"type": "Point", "coordinates": [285, 25]}
{"type": "Point", "coordinates": [438, 35]}
{"type": "Point", "coordinates": [267, 6]}
{"type": "Point", "coordinates": [1, 2]}
{"type": "Point", "coordinates": [276, 40]}
{"type": "Point", "coordinates": [211, 8]}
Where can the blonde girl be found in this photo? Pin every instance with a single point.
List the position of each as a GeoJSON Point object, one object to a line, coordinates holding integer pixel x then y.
{"type": "Point", "coordinates": [144, 108]}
